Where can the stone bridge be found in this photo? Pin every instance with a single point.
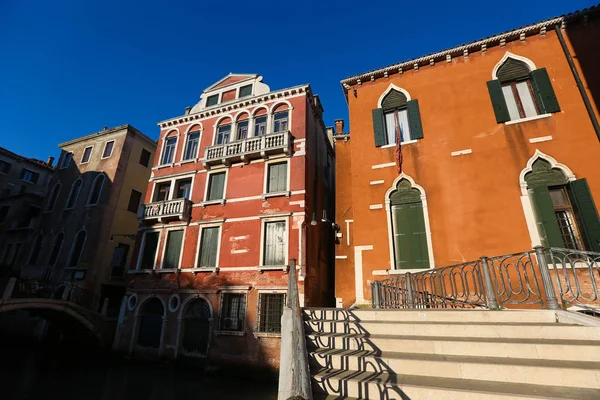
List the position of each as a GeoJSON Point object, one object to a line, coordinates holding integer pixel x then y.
{"type": "Point", "coordinates": [59, 303]}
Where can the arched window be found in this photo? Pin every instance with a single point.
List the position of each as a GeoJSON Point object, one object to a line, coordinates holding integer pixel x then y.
{"type": "Point", "coordinates": [36, 249]}
{"type": "Point", "coordinates": [77, 249]}
{"type": "Point", "coordinates": [397, 119]}
{"type": "Point", "coordinates": [96, 190]}
{"type": "Point", "coordinates": [223, 131]}
{"type": "Point", "coordinates": [150, 331]}
{"type": "Point", "coordinates": [260, 122]}
{"type": "Point", "coordinates": [242, 127]}
{"type": "Point", "coordinates": [519, 91]}
{"type": "Point", "coordinates": [565, 212]}
{"type": "Point", "coordinates": [281, 118]}
{"type": "Point", "coordinates": [196, 328]}
{"type": "Point", "coordinates": [58, 242]}
{"type": "Point", "coordinates": [408, 227]}
{"type": "Point", "coordinates": [192, 144]}
{"type": "Point", "coordinates": [74, 194]}
{"type": "Point", "coordinates": [168, 152]}
{"type": "Point", "coordinates": [53, 197]}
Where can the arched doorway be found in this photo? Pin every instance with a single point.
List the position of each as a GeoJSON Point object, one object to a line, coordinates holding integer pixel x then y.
{"type": "Point", "coordinates": [196, 328]}
{"type": "Point", "coordinates": [151, 322]}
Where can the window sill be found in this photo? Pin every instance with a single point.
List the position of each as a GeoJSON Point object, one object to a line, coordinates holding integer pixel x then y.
{"type": "Point", "coordinates": [170, 165]}
{"type": "Point", "coordinates": [212, 202]}
{"type": "Point", "coordinates": [68, 209]}
{"type": "Point", "coordinates": [229, 333]}
{"type": "Point", "coordinates": [276, 194]}
{"type": "Point", "coordinates": [196, 270]}
{"type": "Point", "coordinates": [389, 146]}
{"type": "Point", "coordinates": [75, 268]}
{"type": "Point", "coordinates": [518, 121]}
{"type": "Point", "coordinates": [267, 334]}
{"type": "Point", "coordinates": [191, 160]}
{"type": "Point", "coordinates": [272, 268]}
{"type": "Point", "coordinates": [140, 271]}
{"type": "Point", "coordinates": [166, 270]}
{"type": "Point", "coordinates": [386, 272]}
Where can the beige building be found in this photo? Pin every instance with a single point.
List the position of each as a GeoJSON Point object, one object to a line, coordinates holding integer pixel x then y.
{"type": "Point", "coordinates": [89, 220]}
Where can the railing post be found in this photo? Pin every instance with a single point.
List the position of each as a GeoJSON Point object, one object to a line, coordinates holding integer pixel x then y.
{"type": "Point", "coordinates": [375, 294]}
{"type": "Point", "coordinates": [551, 301]}
{"type": "Point", "coordinates": [10, 287]}
{"type": "Point", "coordinates": [409, 291]}
{"type": "Point", "coordinates": [490, 292]}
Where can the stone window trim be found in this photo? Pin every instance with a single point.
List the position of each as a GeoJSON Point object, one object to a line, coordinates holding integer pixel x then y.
{"type": "Point", "coordinates": [104, 156]}
{"type": "Point", "coordinates": [164, 248]}
{"type": "Point", "coordinates": [227, 290]}
{"type": "Point", "coordinates": [91, 147]}
{"type": "Point", "coordinates": [141, 251]}
{"type": "Point", "coordinates": [198, 268]}
{"type": "Point", "coordinates": [267, 290]}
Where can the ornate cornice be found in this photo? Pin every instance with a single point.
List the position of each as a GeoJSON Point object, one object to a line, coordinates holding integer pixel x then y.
{"type": "Point", "coordinates": [236, 105]}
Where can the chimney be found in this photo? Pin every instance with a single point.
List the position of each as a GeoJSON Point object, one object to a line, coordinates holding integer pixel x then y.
{"type": "Point", "coordinates": [50, 161]}
{"type": "Point", "coordinates": [105, 127]}
{"type": "Point", "coordinates": [339, 126]}
{"type": "Point", "coordinates": [187, 110]}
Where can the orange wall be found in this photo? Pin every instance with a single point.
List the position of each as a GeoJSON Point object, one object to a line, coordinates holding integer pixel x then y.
{"type": "Point", "coordinates": [473, 200]}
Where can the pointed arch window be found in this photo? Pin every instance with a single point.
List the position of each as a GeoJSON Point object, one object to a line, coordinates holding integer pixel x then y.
{"type": "Point", "coordinates": [77, 249]}
{"type": "Point", "coordinates": [53, 197]}
{"type": "Point", "coordinates": [35, 251]}
{"type": "Point", "coordinates": [74, 194]}
{"type": "Point", "coordinates": [56, 249]}
{"type": "Point", "coordinates": [397, 119]}
{"type": "Point", "coordinates": [96, 190]}
{"type": "Point", "coordinates": [408, 227]}
{"type": "Point", "coordinates": [519, 92]}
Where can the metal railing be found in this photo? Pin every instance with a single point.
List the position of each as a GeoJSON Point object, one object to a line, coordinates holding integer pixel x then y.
{"type": "Point", "coordinates": [530, 279]}
{"type": "Point", "coordinates": [257, 146]}
{"type": "Point", "coordinates": [180, 208]}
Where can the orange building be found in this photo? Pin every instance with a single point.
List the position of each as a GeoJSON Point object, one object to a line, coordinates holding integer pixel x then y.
{"type": "Point", "coordinates": [499, 152]}
{"type": "Point", "coordinates": [239, 187]}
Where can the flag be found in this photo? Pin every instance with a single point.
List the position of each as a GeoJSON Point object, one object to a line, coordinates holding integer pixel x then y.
{"type": "Point", "coordinates": [398, 143]}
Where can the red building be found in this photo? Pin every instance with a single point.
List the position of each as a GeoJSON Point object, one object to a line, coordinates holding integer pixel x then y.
{"type": "Point", "coordinates": [242, 183]}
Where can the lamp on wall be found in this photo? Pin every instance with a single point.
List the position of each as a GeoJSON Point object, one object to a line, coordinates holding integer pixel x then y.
{"type": "Point", "coordinates": [313, 222]}
{"type": "Point", "coordinates": [128, 236]}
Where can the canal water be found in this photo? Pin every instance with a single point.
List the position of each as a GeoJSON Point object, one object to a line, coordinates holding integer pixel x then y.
{"type": "Point", "coordinates": [44, 374]}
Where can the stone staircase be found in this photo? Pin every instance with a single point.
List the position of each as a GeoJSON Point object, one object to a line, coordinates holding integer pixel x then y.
{"type": "Point", "coordinates": [452, 354]}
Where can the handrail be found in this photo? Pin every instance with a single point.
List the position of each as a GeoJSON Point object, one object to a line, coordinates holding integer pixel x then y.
{"type": "Point", "coordinates": [294, 373]}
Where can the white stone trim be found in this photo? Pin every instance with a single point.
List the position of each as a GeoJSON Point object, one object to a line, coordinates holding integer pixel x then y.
{"type": "Point", "coordinates": [82, 154]}
{"type": "Point", "coordinates": [173, 180]}
{"type": "Point", "coordinates": [379, 182]}
{"type": "Point", "coordinates": [200, 232]}
{"type": "Point", "coordinates": [533, 118]}
{"type": "Point", "coordinates": [386, 165]}
{"type": "Point", "coordinates": [530, 220]}
{"type": "Point", "coordinates": [358, 272]}
{"type": "Point", "coordinates": [208, 175]}
{"type": "Point", "coordinates": [508, 55]}
{"type": "Point", "coordinates": [461, 152]}
{"type": "Point", "coordinates": [425, 217]}
{"type": "Point", "coordinates": [388, 146]}
{"type": "Point", "coordinates": [266, 176]}
{"type": "Point", "coordinates": [240, 219]}
{"type": "Point", "coordinates": [389, 89]}
{"type": "Point", "coordinates": [104, 149]}
{"type": "Point", "coordinates": [348, 221]}
{"type": "Point", "coordinates": [553, 163]}
{"type": "Point", "coordinates": [164, 245]}
{"type": "Point", "coordinates": [540, 139]}
{"type": "Point", "coordinates": [341, 257]}
{"type": "Point", "coordinates": [274, 218]}
{"type": "Point", "coordinates": [375, 206]}
{"type": "Point", "coordinates": [186, 134]}
{"type": "Point", "coordinates": [166, 136]}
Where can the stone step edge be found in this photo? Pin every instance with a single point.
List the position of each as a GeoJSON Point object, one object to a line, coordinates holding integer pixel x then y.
{"type": "Point", "coordinates": [462, 359]}
{"type": "Point", "coordinates": [429, 310]}
{"type": "Point", "coordinates": [465, 385]}
{"type": "Point", "coordinates": [491, 323]}
{"type": "Point", "coordinates": [571, 342]}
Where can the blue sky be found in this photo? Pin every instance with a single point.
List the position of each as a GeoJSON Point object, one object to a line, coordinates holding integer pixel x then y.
{"type": "Point", "coordinates": [68, 68]}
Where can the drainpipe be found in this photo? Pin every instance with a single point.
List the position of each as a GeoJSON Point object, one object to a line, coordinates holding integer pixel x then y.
{"type": "Point", "coordinates": [586, 99]}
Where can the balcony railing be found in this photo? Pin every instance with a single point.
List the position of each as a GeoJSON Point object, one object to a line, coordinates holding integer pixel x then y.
{"type": "Point", "coordinates": [247, 149]}
{"type": "Point", "coordinates": [167, 210]}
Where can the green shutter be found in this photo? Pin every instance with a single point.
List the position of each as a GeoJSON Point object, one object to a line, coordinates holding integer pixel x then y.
{"type": "Point", "coordinates": [208, 247]}
{"type": "Point", "coordinates": [582, 199]}
{"type": "Point", "coordinates": [379, 127]}
{"type": "Point", "coordinates": [542, 86]}
{"type": "Point", "coordinates": [414, 119]}
{"type": "Point", "coordinates": [498, 102]}
{"type": "Point", "coordinates": [274, 247]}
{"type": "Point", "coordinates": [173, 249]}
{"type": "Point", "coordinates": [545, 217]}
{"type": "Point", "coordinates": [277, 178]}
{"type": "Point", "coordinates": [216, 186]}
{"type": "Point", "coordinates": [410, 238]}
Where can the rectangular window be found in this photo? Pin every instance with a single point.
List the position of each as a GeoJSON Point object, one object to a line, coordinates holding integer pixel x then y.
{"type": "Point", "coordinates": [242, 130]}
{"type": "Point", "coordinates": [245, 91]}
{"type": "Point", "coordinates": [274, 243]}
{"type": "Point", "coordinates": [212, 100]}
{"type": "Point", "coordinates": [149, 252]}
{"type": "Point", "coordinates": [260, 126]}
{"type": "Point", "coordinates": [209, 243]}
{"type": "Point", "coordinates": [66, 160]}
{"type": "Point", "coordinates": [566, 218]}
{"type": "Point", "coordinates": [173, 249]}
{"type": "Point", "coordinates": [87, 153]}
{"type": "Point", "coordinates": [4, 167]}
{"type": "Point", "coordinates": [396, 122]}
{"type": "Point", "coordinates": [134, 201]}
{"type": "Point", "coordinates": [119, 261]}
{"type": "Point", "coordinates": [191, 147]}
{"type": "Point", "coordinates": [519, 100]}
{"type": "Point", "coordinates": [162, 191]}
{"type": "Point", "coordinates": [168, 151]}
{"type": "Point", "coordinates": [29, 176]}
{"type": "Point", "coordinates": [277, 177]}
{"type": "Point", "coordinates": [216, 187]}
{"type": "Point", "coordinates": [280, 122]}
{"type": "Point", "coordinates": [223, 134]}
{"type": "Point", "coordinates": [270, 310]}
{"type": "Point", "coordinates": [233, 312]}
{"type": "Point", "coordinates": [145, 157]}
{"type": "Point", "coordinates": [108, 149]}
{"type": "Point", "coordinates": [184, 189]}
{"type": "Point", "coordinates": [3, 213]}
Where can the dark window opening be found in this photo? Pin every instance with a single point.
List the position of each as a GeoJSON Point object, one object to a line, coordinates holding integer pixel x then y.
{"type": "Point", "coordinates": [149, 252]}
{"type": "Point", "coordinates": [212, 100]}
{"type": "Point", "coordinates": [77, 249]}
{"type": "Point", "coordinates": [233, 312]}
{"type": "Point", "coordinates": [134, 201]}
{"type": "Point", "coordinates": [270, 310]}
{"type": "Point", "coordinates": [145, 157]}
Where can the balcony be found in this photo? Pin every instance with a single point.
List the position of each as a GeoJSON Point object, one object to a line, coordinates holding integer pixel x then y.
{"type": "Point", "coordinates": [168, 210]}
{"type": "Point", "coordinates": [247, 149]}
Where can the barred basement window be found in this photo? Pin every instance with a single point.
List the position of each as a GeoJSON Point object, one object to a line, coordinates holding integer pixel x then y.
{"type": "Point", "coordinates": [270, 310]}
{"type": "Point", "coordinates": [233, 312]}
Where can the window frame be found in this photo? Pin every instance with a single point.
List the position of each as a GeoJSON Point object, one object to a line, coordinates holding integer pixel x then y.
{"type": "Point", "coordinates": [568, 207]}
{"type": "Point", "coordinates": [199, 244]}
{"type": "Point", "coordinates": [87, 203]}
{"type": "Point", "coordinates": [217, 96]}
{"type": "Point", "coordinates": [164, 148]}
{"type": "Point", "coordinates": [267, 164]}
{"type": "Point", "coordinates": [257, 330]}
{"type": "Point", "coordinates": [111, 149]}
{"type": "Point", "coordinates": [287, 119]}
{"type": "Point", "coordinates": [140, 253]}
{"type": "Point", "coordinates": [217, 133]}
{"type": "Point", "coordinates": [238, 123]}
{"type": "Point", "coordinates": [48, 208]}
{"type": "Point", "coordinates": [263, 231]}
{"type": "Point", "coordinates": [70, 193]}
{"type": "Point", "coordinates": [24, 172]}
{"type": "Point", "coordinates": [62, 243]}
{"type": "Point", "coordinates": [225, 292]}
{"type": "Point", "coordinates": [66, 157]}
{"type": "Point", "coordinates": [70, 258]}
{"type": "Point", "coordinates": [193, 157]}
{"type": "Point", "coordinates": [207, 186]}
{"type": "Point", "coordinates": [517, 98]}
{"type": "Point", "coordinates": [177, 187]}
{"type": "Point", "coordinates": [402, 142]}
{"type": "Point", "coordinates": [138, 202]}
{"type": "Point", "coordinates": [83, 154]}
{"type": "Point", "coordinates": [164, 247]}
{"type": "Point", "coordinates": [156, 191]}
{"type": "Point", "coordinates": [142, 154]}
{"type": "Point", "coordinates": [239, 93]}
{"type": "Point", "coordinates": [255, 125]}
{"type": "Point", "coordinates": [9, 166]}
